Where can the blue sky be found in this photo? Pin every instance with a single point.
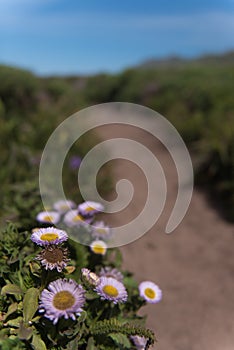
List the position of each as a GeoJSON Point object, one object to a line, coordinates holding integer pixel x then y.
{"type": "Point", "coordinates": [75, 36]}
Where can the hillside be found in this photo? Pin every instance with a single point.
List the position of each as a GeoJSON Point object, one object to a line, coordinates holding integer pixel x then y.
{"type": "Point", "coordinates": [198, 98]}
{"type": "Point", "coordinates": [176, 61]}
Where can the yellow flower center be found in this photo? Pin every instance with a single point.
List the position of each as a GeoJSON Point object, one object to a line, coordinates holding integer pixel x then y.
{"type": "Point", "coordinates": [98, 249]}
{"type": "Point", "coordinates": [64, 207]}
{"type": "Point", "coordinates": [110, 290]}
{"type": "Point", "coordinates": [101, 230]}
{"type": "Point", "coordinates": [49, 236]}
{"type": "Point", "coordinates": [150, 293]}
{"type": "Point", "coordinates": [88, 209]}
{"type": "Point", "coordinates": [63, 300]}
{"type": "Point", "coordinates": [77, 218]}
{"type": "Point", "coordinates": [48, 218]}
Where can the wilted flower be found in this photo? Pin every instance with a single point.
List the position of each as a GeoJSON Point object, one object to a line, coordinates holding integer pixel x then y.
{"type": "Point", "coordinates": [63, 298]}
{"type": "Point", "coordinates": [63, 206]}
{"type": "Point", "coordinates": [90, 277]}
{"type": "Point", "coordinates": [150, 292]}
{"type": "Point", "coordinates": [111, 289]}
{"type": "Point", "coordinates": [49, 235]}
{"type": "Point", "coordinates": [48, 217]}
{"type": "Point", "coordinates": [111, 272]}
{"type": "Point", "coordinates": [53, 257]}
{"type": "Point", "coordinates": [98, 247]}
{"type": "Point", "coordinates": [89, 208]}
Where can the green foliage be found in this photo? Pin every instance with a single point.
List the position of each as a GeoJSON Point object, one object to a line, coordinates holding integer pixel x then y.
{"type": "Point", "coordinates": [102, 324]}
{"type": "Point", "coordinates": [197, 97]}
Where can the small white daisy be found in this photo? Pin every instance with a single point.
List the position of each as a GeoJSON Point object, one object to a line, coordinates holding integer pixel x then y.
{"type": "Point", "coordinates": [63, 298]}
{"type": "Point", "coordinates": [150, 292]}
{"type": "Point", "coordinates": [63, 206]}
{"type": "Point", "coordinates": [111, 289]}
{"type": "Point", "coordinates": [111, 272]}
{"type": "Point", "coordinates": [49, 217]}
{"type": "Point", "coordinates": [98, 247]}
{"type": "Point", "coordinates": [73, 219]}
{"type": "Point", "coordinates": [139, 342]}
{"type": "Point", "coordinates": [89, 208]}
{"type": "Point", "coordinates": [100, 230]}
{"type": "Point", "coordinates": [48, 235]}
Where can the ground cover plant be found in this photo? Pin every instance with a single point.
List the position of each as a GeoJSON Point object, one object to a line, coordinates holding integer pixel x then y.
{"type": "Point", "coordinates": [59, 294]}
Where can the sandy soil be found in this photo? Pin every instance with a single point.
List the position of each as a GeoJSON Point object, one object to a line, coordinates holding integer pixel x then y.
{"type": "Point", "coordinates": [194, 265]}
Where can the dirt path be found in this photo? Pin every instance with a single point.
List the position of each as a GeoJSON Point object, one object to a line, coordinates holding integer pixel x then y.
{"type": "Point", "coordinates": [194, 266]}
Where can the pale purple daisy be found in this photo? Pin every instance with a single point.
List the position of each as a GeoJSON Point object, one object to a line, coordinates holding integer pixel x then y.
{"type": "Point", "coordinates": [63, 298]}
{"type": "Point", "coordinates": [48, 217]}
{"type": "Point", "coordinates": [111, 272]}
{"type": "Point", "coordinates": [110, 289]}
{"type": "Point", "coordinates": [62, 206]}
{"type": "Point", "coordinates": [48, 235]}
{"type": "Point", "coordinates": [139, 342]}
{"type": "Point", "coordinates": [100, 230]}
{"type": "Point", "coordinates": [73, 219]}
{"type": "Point", "coordinates": [89, 208]}
{"type": "Point", "coordinates": [150, 292]}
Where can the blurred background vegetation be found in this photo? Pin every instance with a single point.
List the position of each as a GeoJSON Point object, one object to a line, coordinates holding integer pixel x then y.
{"type": "Point", "coordinates": [197, 96]}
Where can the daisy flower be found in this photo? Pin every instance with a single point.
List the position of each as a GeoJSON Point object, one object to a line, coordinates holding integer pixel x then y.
{"type": "Point", "coordinates": [110, 272]}
{"type": "Point", "coordinates": [88, 209]}
{"type": "Point", "coordinates": [98, 247]}
{"type": "Point", "coordinates": [73, 219]}
{"type": "Point", "coordinates": [63, 298]}
{"type": "Point", "coordinates": [100, 230]}
{"type": "Point", "coordinates": [53, 257]}
{"type": "Point", "coordinates": [48, 235]}
{"type": "Point", "coordinates": [139, 342]}
{"type": "Point", "coordinates": [150, 292]}
{"type": "Point", "coordinates": [111, 289]}
{"type": "Point", "coordinates": [49, 217]}
{"type": "Point", "coordinates": [63, 206]}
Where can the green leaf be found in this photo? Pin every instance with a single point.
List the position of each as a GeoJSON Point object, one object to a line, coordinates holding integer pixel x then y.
{"type": "Point", "coordinates": [120, 339]}
{"type": "Point", "coordinates": [91, 295]}
{"type": "Point", "coordinates": [15, 322]}
{"type": "Point", "coordinates": [73, 345]}
{"type": "Point", "coordinates": [24, 332]}
{"type": "Point", "coordinates": [37, 343]}
{"type": "Point", "coordinates": [11, 289]}
{"type": "Point", "coordinates": [30, 304]}
{"type": "Point", "coordinates": [35, 268]}
{"type": "Point", "coordinates": [11, 309]}
{"type": "Point", "coordinates": [91, 344]}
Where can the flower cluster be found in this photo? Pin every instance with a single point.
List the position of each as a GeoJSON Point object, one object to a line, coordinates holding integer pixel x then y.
{"type": "Point", "coordinates": [67, 298]}
{"type": "Point", "coordinates": [73, 217]}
